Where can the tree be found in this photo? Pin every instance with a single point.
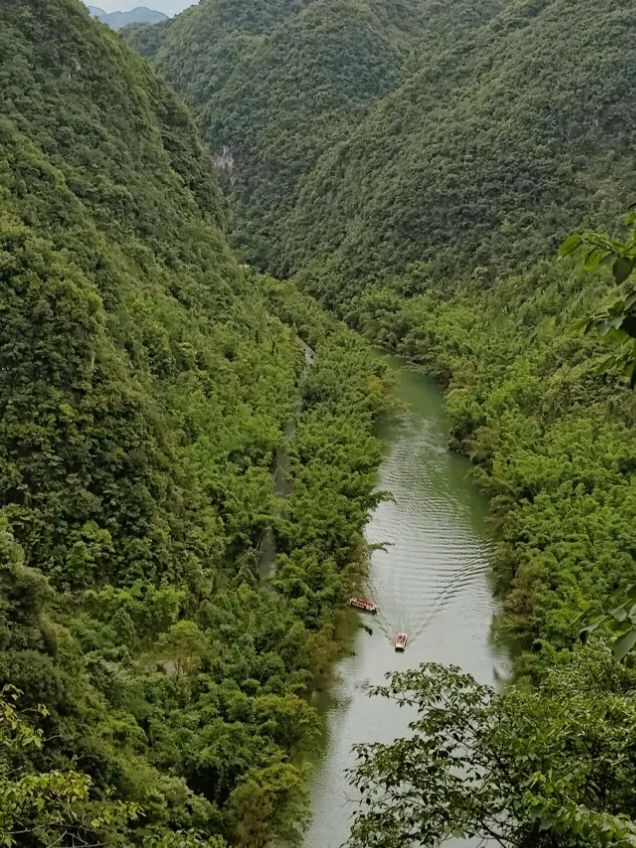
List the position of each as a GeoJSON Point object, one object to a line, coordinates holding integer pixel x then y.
{"type": "Point", "coordinates": [620, 622]}
{"type": "Point", "coordinates": [183, 646]}
{"type": "Point", "coordinates": [289, 720]}
{"type": "Point", "coordinates": [188, 839]}
{"type": "Point", "coordinates": [47, 808]}
{"type": "Point", "coordinates": [549, 767]}
{"type": "Point", "coordinates": [270, 801]}
{"type": "Point", "coordinates": [618, 320]}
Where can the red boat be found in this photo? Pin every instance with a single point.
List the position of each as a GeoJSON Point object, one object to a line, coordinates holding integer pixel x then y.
{"type": "Point", "coordinates": [363, 604]}
{"type": "Point", "coordinates": [400, 641]}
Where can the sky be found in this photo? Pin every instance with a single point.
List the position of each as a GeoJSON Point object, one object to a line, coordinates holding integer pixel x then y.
{"type": "Point", "coordinates": [169, 7]}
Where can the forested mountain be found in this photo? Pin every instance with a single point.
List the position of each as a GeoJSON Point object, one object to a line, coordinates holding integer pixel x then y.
{"type": "Point", "coordinates": [363, 136]}
{"type": "Point", "coordinates": [118, 20]}
{"type": "Point", "coordinates": [415, 165]}
{"type": "Point", "coordinates": [418, 177]}
{"type": "Point", "coordinates": [459, 158]}
{"type": "Point", "coordinates": [273, 86]}
{"type": "Point", "coordinates": [146, 385]}
{"type": "Point", "coordinates": [488, 156]}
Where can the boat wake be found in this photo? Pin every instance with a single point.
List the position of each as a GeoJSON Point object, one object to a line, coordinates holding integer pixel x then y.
{"type": "Point", "coordinates": [428, 575]}
{"type": "Point", "coordinates": [405, 611]}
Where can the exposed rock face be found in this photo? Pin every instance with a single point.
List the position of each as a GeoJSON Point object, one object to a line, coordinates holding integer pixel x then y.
{"type": "Point", "coordinates": [225, 161]}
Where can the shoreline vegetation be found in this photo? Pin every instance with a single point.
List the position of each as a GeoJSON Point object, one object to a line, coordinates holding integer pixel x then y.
{"type": "Point", "coordinates": [551, 434]}
{"type": "Point", "coordinates": [422, 195]}
{"type": "Point", "coordinates": [430, 222]}
{"type": "Point", "coordinates": [153, 694]}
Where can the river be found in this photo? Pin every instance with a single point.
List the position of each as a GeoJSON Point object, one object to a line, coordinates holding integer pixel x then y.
{"type": "Point", "coordinates": [433, 582]}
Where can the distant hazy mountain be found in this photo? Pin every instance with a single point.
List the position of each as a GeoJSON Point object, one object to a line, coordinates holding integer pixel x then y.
{"type": "Point", "coordinates": [117, 20]}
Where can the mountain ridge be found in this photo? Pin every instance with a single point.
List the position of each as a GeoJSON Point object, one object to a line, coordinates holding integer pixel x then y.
{"type": "Point", "coordinates": [147, 384]}
{"type": "Point", "coordinates": [138, 15]}
{"type": "Point", "coordinates": [403, 168]}
{"type": "Point", "coordinates": [277, 89]}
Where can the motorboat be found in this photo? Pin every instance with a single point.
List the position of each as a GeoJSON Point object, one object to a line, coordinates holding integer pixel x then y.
{"type": "Point", "coordinates": [400, 641]}
{"type": "Point", "coordinates": [363, 604]}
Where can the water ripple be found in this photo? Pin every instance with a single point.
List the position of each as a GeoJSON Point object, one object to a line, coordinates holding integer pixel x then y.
{"type": "Point", "coordinates": [432, 581]}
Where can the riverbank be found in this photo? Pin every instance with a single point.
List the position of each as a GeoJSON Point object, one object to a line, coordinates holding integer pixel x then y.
{"type": "Point", "coordinates": [552, 437]}
{"type": "Point", "coordinates": [432, 580]}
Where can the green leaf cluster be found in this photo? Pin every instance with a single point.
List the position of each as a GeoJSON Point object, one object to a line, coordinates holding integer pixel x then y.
{"type": "Point", "coordinates": [547, 766]}
{"type": "Point", "coordinates": [617, 320]}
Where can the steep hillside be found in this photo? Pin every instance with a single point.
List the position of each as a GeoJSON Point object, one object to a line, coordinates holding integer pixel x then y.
{"type": "Point", "coordinates": [145, 388]}
{"type": "Point", "coordinates": [272, 93]}
{"type": "Point", "coordinates": [462, 156]}
{"type": "Point", "coordinates": [428, 212]}
{"type": "Point", "coordinates": [359, 137]}
{"type": "Point", "coordinates": [486, 157]}
{"type": "Point", "coordinates": [118, 20]}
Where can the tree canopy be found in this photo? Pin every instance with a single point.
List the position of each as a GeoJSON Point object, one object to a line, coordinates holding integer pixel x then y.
{"type": "Point", "coordinates": [360, 137]}
{"type": "Point", "coordinates": [415, 165]}
{"type": "Point", "coordinates": [546, 767]}
{"type": "Point", "coordinates": [148, 383]}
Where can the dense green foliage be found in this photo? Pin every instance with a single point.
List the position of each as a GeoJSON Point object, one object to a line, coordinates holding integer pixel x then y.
{"type": "Point", "coordinates": [487, 156]}
{"type": "Point", "coordinates": [618, 319]}
{"type": "Point", "coordinates": [48, 807]}
{"type": "Point", "coordinates": [273, 86]}
{"type": "Point", "coordinates": [553, 439]}
{"type": "Point", "coordinates": [539, 768]}
{"type": "Point", "coordinates": [618, 624]}
{"type": "Point", "coordinates": [413, 222]}
{"type": "Point", "coordinates": [146, 384]}
{"type": "Point", "coordinates": [426, 203]}
{"type": "Point", "coordinates": [368, 135]}
{"type": "Point", "coordinates": [416, 165]}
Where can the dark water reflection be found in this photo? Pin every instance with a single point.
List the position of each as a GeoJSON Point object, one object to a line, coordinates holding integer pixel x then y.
{"type": "Point", "coordinates": [432, 582]}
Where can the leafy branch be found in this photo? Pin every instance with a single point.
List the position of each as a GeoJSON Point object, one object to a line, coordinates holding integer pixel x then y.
{"type": "Point", "coordinates": [618, 320]}
{"type": "Point", "coordinates": [621, 623]}
{"type": "Point", "coordinates": [47, 806]}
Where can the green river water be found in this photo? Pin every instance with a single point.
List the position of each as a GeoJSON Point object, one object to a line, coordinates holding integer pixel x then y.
{"type": "Point", "coordinates": [433, 582]}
